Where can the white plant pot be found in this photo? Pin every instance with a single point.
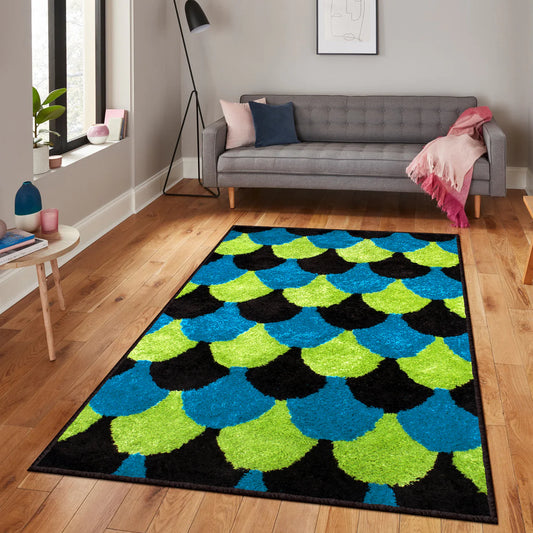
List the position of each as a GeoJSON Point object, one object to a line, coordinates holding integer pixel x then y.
{"type": "Point", "coordinates": [40, 160]}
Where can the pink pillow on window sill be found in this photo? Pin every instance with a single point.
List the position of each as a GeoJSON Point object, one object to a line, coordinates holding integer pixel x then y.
{"type": "Point", "coordinates": [240, 123]}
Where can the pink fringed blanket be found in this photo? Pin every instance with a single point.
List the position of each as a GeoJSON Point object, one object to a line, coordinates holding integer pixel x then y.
{"type": "Point", "coordinates": [444, 166]}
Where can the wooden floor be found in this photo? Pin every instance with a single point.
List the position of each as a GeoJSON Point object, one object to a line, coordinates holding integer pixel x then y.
{"type": "Point", "coordinates": [115, 288]}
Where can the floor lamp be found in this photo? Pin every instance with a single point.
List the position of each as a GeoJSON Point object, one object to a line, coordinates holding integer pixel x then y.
{"type": "Point", "coordinates": [197, 22]}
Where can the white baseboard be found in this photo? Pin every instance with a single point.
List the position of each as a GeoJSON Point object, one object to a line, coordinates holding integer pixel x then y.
{"type": "Point", "coordinates": [17, 283]}
{"type": "Point", "coordinates": [529, 182]}
{"type": "Point", "coordinates": [516, 177]}
{"type": "Point", "coordinates": [190, 168]}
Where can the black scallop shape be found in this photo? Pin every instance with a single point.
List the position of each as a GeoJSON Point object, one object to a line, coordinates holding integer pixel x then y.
{"type": "Point", "coordinates": [307, 232]}
{"type": "Point", "coordinates": [272, 307]}
{"type": "Point", "coordinates": [465, 397]}
{"type": "Point", "coordinates": [327, 263]}
{"type": "Point", "coordinates": [398, 267]}
{"type": "Point", "coordinates": [212, 257]}
{"type": "Point", "coordinates": [123, 365]}
{"type": "Point", "coordinates": [370, 234]}
{"type": "Point", "coordinates": [93, 450]}
{"type": "Point", "coordinates": [388, 387]}
{"type": "Point", "coordinates": [435, 237]}
{"type": "Point", "coordinates": [317, 475]}
{"type": "Point", "coordinates": [192, 369]}
{"type": "Point", "coordinates": [352, 313]}
{"type": "Point", "coordinates": [287, 376]}
{"type": "Point", "coordinates": [199, 461]}
{"type": "Point", "coordinates": [436, 319]}
{"type": "Point", "coordinates": [259, 260]}
{"type": "Point", "coordinates": [196, 303]}
{"type": "Point", "coordinates": [453, 272]}
{"type": "Point", "coordinates": [252, 229]}
{"type": "Point", "coordinates": [445, 489]}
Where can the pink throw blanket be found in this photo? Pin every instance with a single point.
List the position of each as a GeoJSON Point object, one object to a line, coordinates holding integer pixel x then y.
{"type": "Point", "coordinates": [444, 166]}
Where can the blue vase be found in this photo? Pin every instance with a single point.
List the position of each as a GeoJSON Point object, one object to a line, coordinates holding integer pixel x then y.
{"type": "Point", "coordinates": [28, 206]}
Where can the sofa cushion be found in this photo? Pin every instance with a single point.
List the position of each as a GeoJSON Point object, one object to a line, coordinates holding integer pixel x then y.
{"type": "Point", "coordinates": [334, 159]}
{"type": "Point", "coordinates": [274, 124]}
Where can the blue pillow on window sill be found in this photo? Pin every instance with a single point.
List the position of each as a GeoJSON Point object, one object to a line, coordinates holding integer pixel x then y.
{"type": "Point", "coordinates": [274, 124]}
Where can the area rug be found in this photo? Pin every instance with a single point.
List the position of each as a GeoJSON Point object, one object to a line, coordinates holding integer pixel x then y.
{"type": "Point", "coordinates": [325, 366]}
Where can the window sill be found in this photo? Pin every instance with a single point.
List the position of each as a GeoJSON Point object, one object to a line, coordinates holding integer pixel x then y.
{"type": "Point", "coordinates": [69, 158]}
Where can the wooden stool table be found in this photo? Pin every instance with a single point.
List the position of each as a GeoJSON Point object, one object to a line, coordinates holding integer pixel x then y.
{"type": "Point", "coordinates": [528, 274]}
{"type": "Point", "coordinates": [66, 239]}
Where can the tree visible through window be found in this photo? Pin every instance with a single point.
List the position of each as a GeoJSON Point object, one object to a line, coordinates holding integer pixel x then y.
{"type": "Point", "coordinates": [68, 51]}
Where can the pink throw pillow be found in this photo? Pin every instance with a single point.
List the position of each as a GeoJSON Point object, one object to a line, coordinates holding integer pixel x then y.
{"type": "Point", "coordinates": [240, 123]}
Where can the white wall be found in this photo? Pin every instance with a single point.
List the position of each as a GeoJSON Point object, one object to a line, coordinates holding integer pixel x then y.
{"type": "Point", "coordinates": [456, 47]}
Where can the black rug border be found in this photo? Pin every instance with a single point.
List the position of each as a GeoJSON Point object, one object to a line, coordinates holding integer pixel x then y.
{"type": "Point", "coordinates": [491, 519]}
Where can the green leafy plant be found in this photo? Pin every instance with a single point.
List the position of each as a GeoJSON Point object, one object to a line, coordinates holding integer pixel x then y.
{"type": "Point", "coordinates": [43, 112]}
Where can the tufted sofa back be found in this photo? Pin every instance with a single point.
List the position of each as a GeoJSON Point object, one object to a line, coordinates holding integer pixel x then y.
{"type": "Point", "coordinates": [395, 119]}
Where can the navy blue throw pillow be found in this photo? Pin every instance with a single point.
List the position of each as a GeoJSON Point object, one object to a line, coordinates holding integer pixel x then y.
{"type": "Point", "coordinates": [274, 124]}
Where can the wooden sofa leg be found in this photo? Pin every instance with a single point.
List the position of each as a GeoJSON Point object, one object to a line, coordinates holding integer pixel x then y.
{"type": "Point", "coordinates": [231, 194]}
{"type": "Point", "coordinates": [477, 205]}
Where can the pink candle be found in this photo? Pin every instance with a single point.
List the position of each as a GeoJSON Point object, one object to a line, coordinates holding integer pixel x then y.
{"type": "Point", "coordinates": [49, 220]}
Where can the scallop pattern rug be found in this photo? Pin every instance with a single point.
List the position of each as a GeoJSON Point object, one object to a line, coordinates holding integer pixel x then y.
{"type": "Point", "coordinates": [323, 366]}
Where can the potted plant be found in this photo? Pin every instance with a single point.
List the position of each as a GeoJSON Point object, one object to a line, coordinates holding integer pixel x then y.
{"type": "Point", "coordinates": [43, 112]}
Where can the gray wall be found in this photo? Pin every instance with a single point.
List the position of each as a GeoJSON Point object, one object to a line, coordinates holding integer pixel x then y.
{"type": "Point", "coordinates": [456, 47]}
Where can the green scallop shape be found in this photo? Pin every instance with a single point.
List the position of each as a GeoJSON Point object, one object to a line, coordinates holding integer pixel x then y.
{"type": "Point", "coordinates": [342, 356]}
{"type": "Point", "coordinates": [244, 288]}
{"type": "Point", "coordinates": [82, 422]}
{"type": "Point", "coordinates": [300, 248]}
{"type": "Point", "coordinates": [187, 289]}
{"type": "Point", "coordinates": [318, 293]}
{"type": "Point", "coordinates": [386, 455]}
{"type": "Point", "coordinates": [433, 255]}
{"type": "Point", "coordinates": [163, 344]}
{"type": "Point", "coordinates": [240, 245]}
{"type": "Point", "coordinates": [470, 464]}
{"type": "Point", "coordinates": [437, 366]}
{"type": "Point", "coordinates": [270, 442]}
{"type": "Point", "coordinates": [160, 429]}
{"type": "Point", "coordinates": [364, 252]}
{"type": "Point", "coordinates": [252, 348]}
{"type": "Point", "coordinates": [396, 298]}
{"type": "Point", "coordinates": [456, 305]}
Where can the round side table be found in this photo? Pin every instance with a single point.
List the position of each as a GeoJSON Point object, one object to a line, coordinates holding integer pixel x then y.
{"type": "Point", "coordinates": [66, 239]}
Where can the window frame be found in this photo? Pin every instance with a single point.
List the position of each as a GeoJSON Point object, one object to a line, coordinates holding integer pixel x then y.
{"type": "Point", "coordinates": [57, 54]}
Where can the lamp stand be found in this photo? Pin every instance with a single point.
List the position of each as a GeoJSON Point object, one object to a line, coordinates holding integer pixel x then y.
{"type": "Point", "coordinates": [199, 118]}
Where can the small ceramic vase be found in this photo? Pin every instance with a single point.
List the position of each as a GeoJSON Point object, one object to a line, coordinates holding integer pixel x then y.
{"type": "Point", "coordinates": [28, 207]}
{"type": "Point", "coordinates": [98, 133]}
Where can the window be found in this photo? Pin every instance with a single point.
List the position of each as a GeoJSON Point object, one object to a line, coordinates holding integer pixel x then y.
{"type": "Point", "coordinates": [68, 50]}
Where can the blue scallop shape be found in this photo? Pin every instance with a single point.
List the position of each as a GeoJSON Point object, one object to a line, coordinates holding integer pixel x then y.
{"type": "Point", "coordinates": [347, 418]}
{"type": "Point", "coordinates": [162, 321]}
{"type": "Point", "coordinates": [217, 272]}
{"type": "Point", "coordinates": [252, 480]}
{"type": "Point", "coordinates": [449, 246]}
{"type": "Point", "coordinates": [228, 401]}
{"type": "Point", "coordinates": [334, 239]}
{"type": "Point", "coordinates": [273, 236]}
{"type": "Point", "coordinates": [393, 338]}
{"type": "Point", "coordinates": [285, 276]}
{"type": "Point", "coordinates": [460, 345]}
{"type": "Point", "coordinates": [440, 425]}
{"type": "Point", "coordinates": [435, 285]}
{"type": "Point", "coordinates": [128, 393]}
{"type": "Point", "coordinates": [232, 235]}
{"type": "Point", "coordinates": [399, 242]}
{"type": "Point", "coordinates": [225, 324]}
{"type": "Point", "coordinates": [132, 466]}
{"type": "Point", "coordinates": [359, 279]}
{"type": "Point", "coordinates": [306, 330]}
{"type": "Point", "coordinates": [380, 495]}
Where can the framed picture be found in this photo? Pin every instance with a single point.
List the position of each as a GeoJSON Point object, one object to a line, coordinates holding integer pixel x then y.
{"type": "Point", "coordinates": [346, 27]}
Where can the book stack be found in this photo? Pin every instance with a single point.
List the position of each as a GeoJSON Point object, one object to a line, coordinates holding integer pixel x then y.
{"type": "Point", "coordinates": [116, 120]}
{"type": "Point", "coordinates": [17, 243]}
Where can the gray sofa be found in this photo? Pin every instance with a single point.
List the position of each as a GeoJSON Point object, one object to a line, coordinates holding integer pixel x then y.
{"type": "Point", "coordinates": [350, 143]}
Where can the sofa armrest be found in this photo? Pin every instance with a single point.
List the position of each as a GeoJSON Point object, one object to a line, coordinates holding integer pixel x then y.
{"type": "Point", "coordinates": [213, 144]}
{"type": "Point", "coordinates": [496, 143]}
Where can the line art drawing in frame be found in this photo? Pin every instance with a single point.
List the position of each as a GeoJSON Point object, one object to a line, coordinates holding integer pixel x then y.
{"type": "Point", "coordinates": [346, 26]}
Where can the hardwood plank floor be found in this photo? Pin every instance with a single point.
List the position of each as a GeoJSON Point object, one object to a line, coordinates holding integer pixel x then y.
{"type": "Point", "coordinates": [117, 286]}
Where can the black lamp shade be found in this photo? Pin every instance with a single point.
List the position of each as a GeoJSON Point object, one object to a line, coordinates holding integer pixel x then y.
{"type": "Point", "coordinates": [196, 18]}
